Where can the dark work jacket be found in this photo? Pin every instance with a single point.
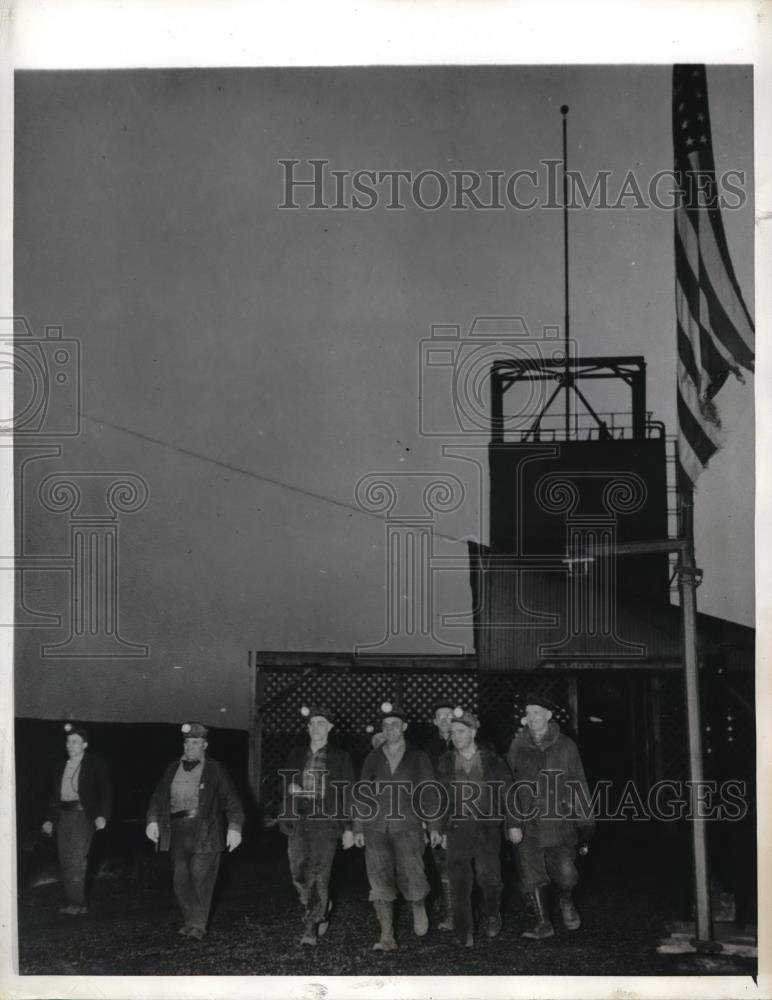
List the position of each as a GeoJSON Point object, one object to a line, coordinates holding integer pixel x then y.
{"type": "Point", "coordinates": [94, 789]}
{"type": "Point", "coordinates": [391, 792]}
{"type": "Point", "coordinates": [437, 746]}
{"type": "Point", "coordinates": [558, 818]}
{"type": "Point", "coordinates": [339, 778]}
{"type": "Point", "coordinates": [489, 804]}
{"type": "Point", "coordinates": [216, 796]}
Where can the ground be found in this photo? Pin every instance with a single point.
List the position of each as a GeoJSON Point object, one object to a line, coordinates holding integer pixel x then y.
{"type": "Point", "coordinates": [632, 883]}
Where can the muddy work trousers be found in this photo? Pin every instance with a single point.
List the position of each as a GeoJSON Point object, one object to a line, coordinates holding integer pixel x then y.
{"type": "Point", "coordinates": [73, 840]}
{"type": "Point", "coordinates": [542, 865]}
{"type": "Point", "coordinates": [474, 857]}
{"type": "Point", "coordinates": [311, 852]}
{"type": "Point", "coordinates": [395, 863]}
{"type": "Point", "coordinates": [194, 874]}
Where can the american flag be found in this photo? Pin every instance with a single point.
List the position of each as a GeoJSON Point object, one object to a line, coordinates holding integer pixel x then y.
{"type": "Point", "coordinates": [715, 329]}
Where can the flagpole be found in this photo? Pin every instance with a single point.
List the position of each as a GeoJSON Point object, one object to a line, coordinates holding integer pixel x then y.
{"type": "Point", "coordinates": [567, 375]}
{"type": "Point", "coordinates": [687, 586]}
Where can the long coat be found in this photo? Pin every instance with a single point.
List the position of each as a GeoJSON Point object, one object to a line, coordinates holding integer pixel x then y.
{"type": "Point", "coordinates": [555, 818]}
{"type": "Point", "coordinates": [392, 792]}
{"type": "Point", "coordinates": [216, 796]}
{"type": "Point", "coordinates": [94, 789]}
{"type": "Point", "coordinates": [338, 780]}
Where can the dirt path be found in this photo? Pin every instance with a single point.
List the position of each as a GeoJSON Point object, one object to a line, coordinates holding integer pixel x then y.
{"type": "Point", "coordinates": [628, 892]}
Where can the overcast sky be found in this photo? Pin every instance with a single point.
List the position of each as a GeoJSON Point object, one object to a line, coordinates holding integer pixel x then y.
{"type": "Point", "coordinates": [251, 364]}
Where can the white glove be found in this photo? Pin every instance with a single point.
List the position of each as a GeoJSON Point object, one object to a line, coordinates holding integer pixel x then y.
{"type": "Point", "coordinates": [152, 832]}
{"type": "Point", "coordinates": [233, 839]}
{"type": "Point", "coordinates": [347, 839]}
{"type": "Point", "coordinates": [100, 822]}
{"type": "Point", "coordinates": [48, 828]}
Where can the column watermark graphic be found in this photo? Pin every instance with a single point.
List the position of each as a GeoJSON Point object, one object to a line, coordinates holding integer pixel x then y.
{"type": "Point", "coordinates": [410, 503]}
{"type": "Point", "coordinates": [46, 414]}
{"type": "Point", "coordinates": [94, 502]}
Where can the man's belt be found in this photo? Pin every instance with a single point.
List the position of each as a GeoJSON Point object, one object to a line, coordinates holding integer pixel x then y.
{"type": "Point", "coordinates": [70, 805]}
{"type": "Point", "coordinates": [185, 814]}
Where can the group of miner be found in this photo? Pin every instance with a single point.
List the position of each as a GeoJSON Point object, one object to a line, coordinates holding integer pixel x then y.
{"type": "Point", "coordinates": [195, 814]}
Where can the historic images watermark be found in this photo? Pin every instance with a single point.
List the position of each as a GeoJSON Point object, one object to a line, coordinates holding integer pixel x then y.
{"type": "Point", "coordinates": [459, 409]}
{"type": "Point", "coordinates": [552, 798]}
{"type": "Point", "coordinates": [47, 382]}
{"type": "Point", "coordinates": [311, 183]}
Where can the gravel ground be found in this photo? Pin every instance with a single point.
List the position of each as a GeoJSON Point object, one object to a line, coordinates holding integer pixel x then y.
{"type": "Point", "coordinates": [632, 883]}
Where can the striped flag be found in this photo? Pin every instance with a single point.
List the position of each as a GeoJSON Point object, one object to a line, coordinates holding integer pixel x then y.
{"type": "Point", "coordinates": [715, 329]}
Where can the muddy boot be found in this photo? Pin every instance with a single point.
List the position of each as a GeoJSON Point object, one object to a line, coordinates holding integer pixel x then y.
{"type": "Point", "coordinates": [536, 903]}
{"type": "Point", "coordinates": [309, 934]}
{"type": "Point", "coordinates": [571, 919]}
{"type": "Point", "coordinates": [464, 940]}
{"type": "Point", "coordinates": [420, 920]}
{"type": "Point", "coordinates": [324, 923]}
{"type": "Point", "coordinates": [447, 921]}
{"type": "Point", "coordinates": [384, 912]}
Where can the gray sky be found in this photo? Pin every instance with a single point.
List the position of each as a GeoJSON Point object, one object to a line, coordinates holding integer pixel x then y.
{"type": "Point", "coordinates": [252, 364]}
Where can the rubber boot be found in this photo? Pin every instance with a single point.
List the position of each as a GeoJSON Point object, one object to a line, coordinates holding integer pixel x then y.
{"type": "Point", "coordinates": [309, 934]}
{"type": "Point", "coordinates": [420, 920]}
{"type": "Point", "coordinates": [385, 913]}
{"type": "Point", "coordinates": [571, 919]}
{"type": "Point", "coordinates": [536, 902]}
{"type": "Point", "coordinates": [447, 921]}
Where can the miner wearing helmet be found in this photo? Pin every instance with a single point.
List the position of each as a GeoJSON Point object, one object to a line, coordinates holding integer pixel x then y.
{"type": "Point", "coordinates": [547, 766]}
{"type": "Point", "coordinates": [316, 816]}
{"type": "Point", "coordinates": [78, 805]}
{"type": "Point", "coordinates": [392, 830]}
{"type": "Point", "coordinates": [185, 817]}
{"type": "Point", "coordinates": [476, 780]}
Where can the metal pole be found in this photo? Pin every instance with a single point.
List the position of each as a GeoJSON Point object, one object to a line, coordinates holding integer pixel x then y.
{"type": "Point", "coordinates": [564, 112]}
{"type": "Point", "coordinates": [687, 586]}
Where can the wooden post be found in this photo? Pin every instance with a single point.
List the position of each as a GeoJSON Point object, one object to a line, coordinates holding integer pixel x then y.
{"type": "Point", "coordinates": [256, 735]}
{"type": "Point", "coordinates": [252, 719]}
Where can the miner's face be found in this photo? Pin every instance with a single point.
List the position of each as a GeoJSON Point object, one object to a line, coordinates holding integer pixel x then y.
{"type": "Point", "coordinates": [318, 728]}
{"type": "Point", "coordinates": [75, 745]}
{"type": "Point", "coordinates": [462, 736]}
{"type": "Point", "coordinates": [537, 717]}
{"type": "Point", "coordinates": [442, 720]}
{"type": "Point", "coordinates": [393, 729]}
{"type": "Point", "coordinates": [194, 748]}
